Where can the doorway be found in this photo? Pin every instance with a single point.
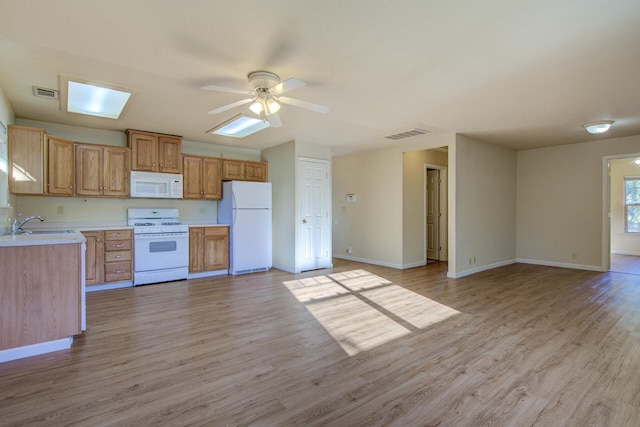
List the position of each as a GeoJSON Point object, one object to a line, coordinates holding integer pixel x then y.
{"type": "Point", "coordinates": [435, 213]}
{"type": "Point", "coordinates": [624, 240]}
{"type": "Point", "coordinates": [314, 223]}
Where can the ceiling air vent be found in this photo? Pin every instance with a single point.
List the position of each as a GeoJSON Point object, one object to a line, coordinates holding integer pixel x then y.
{"type": "Point", "coordinates": [407, 134]}
{"type": "Point", "coordinates": [42, 92]}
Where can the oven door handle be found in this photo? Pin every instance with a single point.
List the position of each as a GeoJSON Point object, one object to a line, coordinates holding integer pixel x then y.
{"type": "Point", "coordinates": [162, 236]}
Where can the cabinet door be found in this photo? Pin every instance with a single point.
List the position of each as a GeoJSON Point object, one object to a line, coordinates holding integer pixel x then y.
{"type": "Point", "coordinates": [216, 248]}
{"type": "Point", "coordinates": [169, 154]}
{"type": "Point", "coordinates": [196, 237]}
{"type": "Point", "coordinates": [144, 151]}
{"type": "Point", "coordinates": [94, 257]}
{"type": "Point", "coordinates": [233, 169]}
{"type": "Point", "coordinates": [212, 180]}
{"type": "Point", "coordinates": [88, 170]}
{"type": "Point", "coordinates": [256, 171]}
{"type": "Point", "coordinates": [26, 160]}
{"type": "Point", "coordinates": [117, 164]}
{"type": "Point", "coordinates": [60, 166]}
{"type": "Point", "coordinates": [192, 177]}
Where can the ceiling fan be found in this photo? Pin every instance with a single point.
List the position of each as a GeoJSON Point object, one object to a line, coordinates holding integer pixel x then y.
{"type": "Point", "coordinates": [266, 96]}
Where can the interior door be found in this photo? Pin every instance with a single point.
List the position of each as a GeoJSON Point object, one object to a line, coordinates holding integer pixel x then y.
{"type": "Point", "coordinates": [314, 232]}
{"type": "Point", "coordinates": [433, 214]}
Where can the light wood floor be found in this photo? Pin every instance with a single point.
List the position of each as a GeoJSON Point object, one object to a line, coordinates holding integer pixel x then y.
{"type": "Point", "coordinates": [356, 345]}
{"type": "Point", "coordinates": [625, 264]}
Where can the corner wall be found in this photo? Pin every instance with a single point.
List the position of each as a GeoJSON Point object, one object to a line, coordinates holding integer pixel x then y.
{"type": "Point", "coordinates": [560, 202]}
{"type": "Point", "coordinates": [7, 201]}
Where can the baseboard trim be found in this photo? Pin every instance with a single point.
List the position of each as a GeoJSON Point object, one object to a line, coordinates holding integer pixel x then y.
{"type": "Point", "coordinates": [598, 268]}
{"type": "Point", "coordinates": [463, 273]}
{"type": "Point", "coordinates": [630, 253]}
{"type": "Point", "coordinates": [35, 349]}
{"type": "Point", "coordinates": [207, 274]}
{"type": "Point", "coordinates": [108, 286]}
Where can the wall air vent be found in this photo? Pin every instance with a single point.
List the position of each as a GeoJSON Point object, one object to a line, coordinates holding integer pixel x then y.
{"type": "Point", "coordinates": [42, 92]}
{"type": "Point", "coordinates": [407, 134]}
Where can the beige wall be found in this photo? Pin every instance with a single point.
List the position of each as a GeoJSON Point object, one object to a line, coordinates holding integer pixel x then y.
{"type": "Point", "coordinates": [282, 174]}
{"type": "Point", "coordinates": [103, 210]}
{"type": "Point", "coordinates": [560, 202]}
{"type": "Point", "coordinates": [371, 226]}
{"type": "Point", "coordinates": [621, 242]}
{"type": "Point", "coordinates": [485, 206]}
{"type": "Point", "coordinates": [6, 200]}
{"type": "Point", "coordinates": [414, 203]}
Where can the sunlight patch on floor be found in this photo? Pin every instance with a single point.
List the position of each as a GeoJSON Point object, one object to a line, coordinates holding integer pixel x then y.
{"type": "Point", "coordinates": [361, 310]}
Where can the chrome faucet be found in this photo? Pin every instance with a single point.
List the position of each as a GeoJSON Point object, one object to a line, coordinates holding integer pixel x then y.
{"type": "Point", "coordinates": [17, 228]}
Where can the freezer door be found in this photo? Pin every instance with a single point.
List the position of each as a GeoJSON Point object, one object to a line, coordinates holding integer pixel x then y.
{"type": "Point", "coordinates": [251, 195]}
{"type": "Point", "coordinates": [250, 247]}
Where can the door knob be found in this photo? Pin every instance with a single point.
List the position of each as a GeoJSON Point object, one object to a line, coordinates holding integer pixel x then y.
{"type": "Point", "coordinates": [304, 221]}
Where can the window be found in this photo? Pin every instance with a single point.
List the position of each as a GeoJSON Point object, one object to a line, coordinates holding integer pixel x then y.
{"type": "Point", "coordinates": [632, 204]}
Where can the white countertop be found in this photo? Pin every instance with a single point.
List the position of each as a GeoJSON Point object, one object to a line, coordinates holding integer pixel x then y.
{"type": "Point", "coordinates": [41, 239]}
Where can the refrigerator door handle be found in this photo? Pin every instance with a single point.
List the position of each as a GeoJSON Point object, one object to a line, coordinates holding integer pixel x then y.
{"type": "Point", "coordinates": [233, 209]}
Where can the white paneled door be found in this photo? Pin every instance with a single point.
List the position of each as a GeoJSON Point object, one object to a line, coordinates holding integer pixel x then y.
{"type": "Point", "coordinates": [314, 231]}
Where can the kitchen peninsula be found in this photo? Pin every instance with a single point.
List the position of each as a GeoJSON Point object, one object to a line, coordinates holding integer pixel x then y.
{"type": "Point", "coordinates": [42, 302]}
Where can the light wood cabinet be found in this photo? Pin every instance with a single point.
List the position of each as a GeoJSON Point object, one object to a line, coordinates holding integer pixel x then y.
{"type": "Point", "coordinates": [26, 160]}
{"type": "Point", "coordinates": [102, 171]}
{"type": "Point", "coordinates": [202, 179]}
{"type": "Point", "coordinates": [208, 248]}
{"type": "Point", "coordinates": [108, 257]}
{"type": "Point", "coordinates": [153, 152]}
{"type": "Point", "coordinates": [94, 257]}
{"type": "Point", "coordinates": [244, 170]}
{"type": "Point", "coordinates": [256, 171]}
{"type": "Point", "coordinates": [118, 258]}
{"type": "Point", "coordinates": [41, 299]}
{"type": "Point", "coordinates": [60, 166]}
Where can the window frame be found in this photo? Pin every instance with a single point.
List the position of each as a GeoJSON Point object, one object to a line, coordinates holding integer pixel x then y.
{"type": "Point", "coordinates": [627, 205]}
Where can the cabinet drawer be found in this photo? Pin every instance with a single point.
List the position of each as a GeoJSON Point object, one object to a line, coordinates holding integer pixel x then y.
{"type": "Point", "coordinates": [117, 245]}
{"type": "Point", "coordinates": [117, 271]}
{"type": "Point", "coordinates": [117, 256]}
{"type": "Point", "coordinates": [216, 231]}
{"type": "Point", "coordinates": [117, 234]}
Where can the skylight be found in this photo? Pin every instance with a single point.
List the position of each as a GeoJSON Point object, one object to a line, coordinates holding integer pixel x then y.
{"type": "Point", "coordinates": [239, 127]}
{"type": "Point", "coordinates": [94, 100]}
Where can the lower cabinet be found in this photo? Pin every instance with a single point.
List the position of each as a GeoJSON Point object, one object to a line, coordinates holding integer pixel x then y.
{"type": "Point", "coordinates": [109, 257]}
{"type": "Point", "coordinates": [208, 249]}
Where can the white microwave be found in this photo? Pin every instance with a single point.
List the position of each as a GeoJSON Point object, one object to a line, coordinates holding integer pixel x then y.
{"type": "Point", "coordinates": [156, 185]}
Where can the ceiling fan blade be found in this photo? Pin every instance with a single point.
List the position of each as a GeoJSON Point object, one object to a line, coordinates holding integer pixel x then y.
{"type": "Point", "coordinates": [230, 106]}
{"type": "Point", "coordinates": [286, 86]}
{"type": "Point", "coordinates": [303, 104]}
{"type": "Point", "coordinates": [226, 89]}
{"type": "Point", "coordinates": [274, 120]}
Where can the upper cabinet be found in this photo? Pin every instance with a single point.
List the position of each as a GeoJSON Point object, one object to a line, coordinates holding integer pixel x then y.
{"type": "Point", "coordinates": [201, 178]}
{"type": "Point", "coordinates": [102, 170]}
{"type": "Point", "coordinates": [60, 166]}
{"type": "Point", "coordinates": [244, 170]}
{"type": "Point", "coordinates": [26, 160]}
{"type": "Point", "coordinates": [152, 152]}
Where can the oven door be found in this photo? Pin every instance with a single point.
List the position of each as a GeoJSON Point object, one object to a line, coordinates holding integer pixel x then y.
{"type": "Point", "coordinates": [161, 251]}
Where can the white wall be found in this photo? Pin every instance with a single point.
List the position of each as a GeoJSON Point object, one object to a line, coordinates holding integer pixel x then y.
{"type": "Point", "coordinates": [560, 202]}
{"type": "Point", "coordinates": [622, 242]}
{"type": "Point", "coordinates": [484, 218]}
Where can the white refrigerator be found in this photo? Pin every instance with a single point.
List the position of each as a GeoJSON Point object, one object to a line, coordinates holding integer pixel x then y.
{"type": "Point", "coordinates": [246, 208]}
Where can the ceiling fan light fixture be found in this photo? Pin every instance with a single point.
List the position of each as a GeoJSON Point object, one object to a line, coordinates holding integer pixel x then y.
{"type": "Point", "coordinates": [257, 106]}
{"type": "Point", "coordinates": [596, 128]}
{"type": "Point", "coordinates": [272, 106]}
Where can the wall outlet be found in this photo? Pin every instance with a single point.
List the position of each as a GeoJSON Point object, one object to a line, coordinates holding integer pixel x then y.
{"type": "Point", "coordinates": [574, 255]}
{"type": "Point", "coordinates": [349, 250]}
{"type": "Point", "coordinates": [203, 209]}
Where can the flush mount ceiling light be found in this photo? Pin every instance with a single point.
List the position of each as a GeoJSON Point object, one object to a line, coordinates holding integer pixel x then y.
{"type": "Point", "coordinates": [94, 100]}
{"type": "Point", "coordinates": [596, 128]}
{"type": "Point", "coordinates": [239, 126]}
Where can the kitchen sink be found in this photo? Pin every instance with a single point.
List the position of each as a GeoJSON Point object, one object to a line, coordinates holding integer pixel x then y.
{"type": "Point", "coordinates": [36, 232]}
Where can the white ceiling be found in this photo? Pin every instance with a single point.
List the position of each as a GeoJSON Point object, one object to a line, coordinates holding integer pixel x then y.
{"type": "Point", "coordinates": [522, 74]}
